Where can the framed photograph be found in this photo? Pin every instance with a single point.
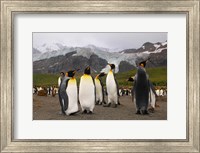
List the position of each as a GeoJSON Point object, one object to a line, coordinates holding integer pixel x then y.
{"type": "Point", "coordinates": [55, 53]}
{"type": "Point", "coordinates": [100, 76]}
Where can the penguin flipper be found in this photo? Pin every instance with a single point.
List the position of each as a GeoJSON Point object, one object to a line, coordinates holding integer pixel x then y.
{"type": "Point", "coordinates": [102, 91]}
{"type": "Point", "coordinates": [94, 90]}
{"type": "Point", "coordinates": [117, 86]}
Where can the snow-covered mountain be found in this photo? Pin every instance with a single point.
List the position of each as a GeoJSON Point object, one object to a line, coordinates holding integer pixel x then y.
{"type": "Point", "coordinates": [147, 48]}
{"type": "Point", "coordinates": [129, 56]}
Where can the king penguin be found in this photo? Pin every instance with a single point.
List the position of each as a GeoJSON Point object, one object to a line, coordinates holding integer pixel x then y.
{"type": "Point", "coordinates": [63, 98]}
{"type": "Point", "coordinates": [141, 89]}
{"type": "Point", "coordinates": [152, 95]}
{"type": "Point", "coordinates": [99, 89]}
{"type": "Point", "coordinates": [87, 92]}
{"type": "Point", "coordinates": [72, 93]}
{"type": "Point", "coordinates": [112, 87]}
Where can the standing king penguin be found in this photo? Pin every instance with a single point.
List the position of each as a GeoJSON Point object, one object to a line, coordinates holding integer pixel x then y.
{"type": "Point", "coordinates": [87, 92]}
{"type": "Point", "coordinates": [99, 89]}
{"type": "Point", "coordinates": [112, 87]}
{"type": "Point", "coordinates": [141, 89]}
{"type": "Point", "coordinates": [152, 95]}
{"type": "Point", "coordinates": [72, 93]}
{"type": "Point", "coordinates": [63, 98]}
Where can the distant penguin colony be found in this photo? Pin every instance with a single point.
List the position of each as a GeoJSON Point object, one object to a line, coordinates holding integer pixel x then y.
{"type": "Point", "coordinates": [91, 91]}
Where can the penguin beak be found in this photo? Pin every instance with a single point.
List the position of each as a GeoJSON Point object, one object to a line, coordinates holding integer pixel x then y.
{"type": "Point", "coordinates": [88, 68]}
{"type": "Point", "coordinates": [130, 79]}
{"type": "Point", "coordinates": [101, 74]}
{"type": "Point", "coordinates": [74, 71]}
{"type": "Point", "coordinates": [97, 76]}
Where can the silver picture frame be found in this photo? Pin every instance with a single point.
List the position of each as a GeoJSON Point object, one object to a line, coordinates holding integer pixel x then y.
{"type": "Point", "coordinates": [10, 7]}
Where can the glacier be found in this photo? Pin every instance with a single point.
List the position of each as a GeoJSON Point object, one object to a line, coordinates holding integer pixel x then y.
{"type": "Point", "coordinates": [114, 57]}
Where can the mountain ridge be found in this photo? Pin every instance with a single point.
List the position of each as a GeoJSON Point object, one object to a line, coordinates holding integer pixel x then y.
{"type": "Point", "coordinates": [54, 61]}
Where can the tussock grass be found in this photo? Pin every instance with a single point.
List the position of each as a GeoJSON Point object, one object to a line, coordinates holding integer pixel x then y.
{"type": "Point", "coordinates": [158, 76]}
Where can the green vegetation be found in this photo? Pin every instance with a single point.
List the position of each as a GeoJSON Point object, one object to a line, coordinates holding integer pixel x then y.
{"type": "Point", "coordinates": [158, 77]}
{"type": "Point", "coordinates": [45, 79]}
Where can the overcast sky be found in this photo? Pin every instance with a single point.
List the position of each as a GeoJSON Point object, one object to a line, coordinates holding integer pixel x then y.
{"type": "Point", "coordinates": [106, 40]}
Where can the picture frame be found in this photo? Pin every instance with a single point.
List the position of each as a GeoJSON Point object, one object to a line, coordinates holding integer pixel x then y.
{"type": "Point", "coordinates": [190, 8]}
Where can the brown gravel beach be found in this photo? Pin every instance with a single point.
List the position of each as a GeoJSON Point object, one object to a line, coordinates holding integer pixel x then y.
{"type": "Point", "coordinates": [48, 108]}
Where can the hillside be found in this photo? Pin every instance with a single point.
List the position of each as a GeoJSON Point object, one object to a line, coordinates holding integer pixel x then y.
{"type": "Point", "coordinates": [158, 76]}
{"type": "Point", "coordinates": [62, 58]}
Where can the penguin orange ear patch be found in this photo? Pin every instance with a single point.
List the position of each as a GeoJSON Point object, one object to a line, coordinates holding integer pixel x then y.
{"type": "Point", "coordinates": [66, 74]}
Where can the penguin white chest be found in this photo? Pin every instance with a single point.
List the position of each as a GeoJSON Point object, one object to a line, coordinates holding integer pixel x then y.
{"type": "Point", "coordinates": [87, 92]}
{"type": "Point", "coordinates": [72, 89]}
{"type": "Point", "coordinates": [99, 94]}
{"type": "Point", "coordinates": [111, 84]}
{"type": "Point", "coordinates": [72, 94]}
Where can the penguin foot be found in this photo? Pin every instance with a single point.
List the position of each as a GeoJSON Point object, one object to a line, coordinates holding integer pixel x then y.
{"type": "Point", "coordinates": [157, 105]}
{"type": "Point", "coordinates": [84, 112]}
{"type": "Point", "coordinates": [62, 113]}
{"type": "Point", "coordinates": [151, 110]}
{"type": "Point", "coordinates": [73, 113]}
{"type": "Point", "coordinates": [144, 112]}
{"type": "Point", "coordinates": [104, 102]}
{"type": "Point", "coordinates": [114, 106]}
{"type": "Point", "coordinates": [107, 105]}
{"type": "Point", "coordinates": [90, 112]}
{"type": "Point", "coordinates": [138, 112]}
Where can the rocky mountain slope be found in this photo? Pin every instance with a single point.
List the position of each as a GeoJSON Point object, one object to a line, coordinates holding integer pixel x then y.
{"type": "Point", "coordinates": [57, 57]}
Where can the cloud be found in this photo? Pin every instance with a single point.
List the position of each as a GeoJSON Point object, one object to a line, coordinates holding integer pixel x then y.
{"type": "Point", "coordinates": [118, 40]}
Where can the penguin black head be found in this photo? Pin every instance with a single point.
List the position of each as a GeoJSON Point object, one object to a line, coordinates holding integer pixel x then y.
{"type": "Point", "coordinates": [102, 74]}
{"type": "Point", "coordinates": [87, 70]}
{"type": "Point", "coordinates": [130, 79]}
{"type": "Point", "coordinates": [143, 63]}
{"type": "Point", "coordinates": [62, 74]}
{"type": "Point", "coordinates": [71, 73]}
{"type": "Point", "coordinates": [112, 66]}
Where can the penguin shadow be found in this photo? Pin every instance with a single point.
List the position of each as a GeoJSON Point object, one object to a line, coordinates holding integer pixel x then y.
{"type": "Point", "coordinates": [146, 113]}
{"type": "Point", "coordinates": [86, 112]}
{"type": "Point", "coordinates": [74, 113]}
{"type": "Point", "coordinates": [111, 105]}
{"type": "Point", "coordinates": [77, 113]}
